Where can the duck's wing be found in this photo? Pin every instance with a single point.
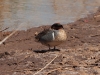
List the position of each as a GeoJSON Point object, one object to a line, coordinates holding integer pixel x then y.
{"type": "Point", "coordinates": [49, 36]}
{"type": "Point", "coordinates": [45, 36]}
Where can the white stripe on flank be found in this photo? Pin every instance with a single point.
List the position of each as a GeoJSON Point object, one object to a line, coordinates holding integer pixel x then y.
{"type": "Point", "coordinates": [53, 36]}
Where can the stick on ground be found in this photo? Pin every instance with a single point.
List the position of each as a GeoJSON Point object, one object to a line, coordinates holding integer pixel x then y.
{"type": "Point", "coordinates": [46, 65]}
{"type": "Point", "coordinates": [21, 25]}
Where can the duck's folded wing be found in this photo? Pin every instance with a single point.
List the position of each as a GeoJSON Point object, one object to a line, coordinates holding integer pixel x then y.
{"type": "Point", "coordinates": [49, 36]}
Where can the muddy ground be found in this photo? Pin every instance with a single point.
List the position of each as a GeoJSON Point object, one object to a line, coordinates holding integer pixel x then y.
{"type": "Point", "coordinates": [79, 55]}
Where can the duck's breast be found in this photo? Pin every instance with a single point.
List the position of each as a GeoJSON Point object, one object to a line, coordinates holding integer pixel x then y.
{"type": "Point", "coordinates": [60, 35]}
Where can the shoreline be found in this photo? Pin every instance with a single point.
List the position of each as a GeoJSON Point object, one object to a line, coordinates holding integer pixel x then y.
{"type": "Point", "coordinates": [20, 54]}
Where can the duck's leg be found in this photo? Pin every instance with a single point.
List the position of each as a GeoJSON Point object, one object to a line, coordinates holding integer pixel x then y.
{"type": "Point", "coordinates": [49, 48]}
{"type": "Point", "coordinates": [54, 47]}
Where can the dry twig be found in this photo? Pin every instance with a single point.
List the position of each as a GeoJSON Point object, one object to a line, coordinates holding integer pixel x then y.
{"type": "Point", "coordinates": [53, 70]}
{"type": "Point", "coordinates": [46, 65]}
{"type": "Point", "coordinates": [4, 29]}
{"type": "Point", "coordinates": [11, 33]}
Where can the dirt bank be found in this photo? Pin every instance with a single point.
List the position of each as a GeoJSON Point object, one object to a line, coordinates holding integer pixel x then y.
{"type": "Point", "coordinates": [79, 55]}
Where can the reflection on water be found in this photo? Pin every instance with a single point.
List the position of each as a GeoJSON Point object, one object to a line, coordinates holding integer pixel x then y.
{"type": "Point", "coordinates": [43, 12]}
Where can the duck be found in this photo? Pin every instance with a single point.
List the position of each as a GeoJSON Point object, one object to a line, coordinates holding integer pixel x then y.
{"type": "Point", "coordinates": [52, 37]}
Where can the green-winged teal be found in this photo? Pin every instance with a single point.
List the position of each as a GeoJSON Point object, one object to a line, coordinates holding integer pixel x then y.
{"type": "Point", "coordinates": [53, 36]}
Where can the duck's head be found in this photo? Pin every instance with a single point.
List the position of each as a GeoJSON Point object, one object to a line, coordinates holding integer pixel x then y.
{"type": "Point", "coordinates": [57, 26]}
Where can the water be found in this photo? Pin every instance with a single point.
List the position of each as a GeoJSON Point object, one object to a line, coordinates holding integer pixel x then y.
{"type": "Point", "coordinates": [34, 13]}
